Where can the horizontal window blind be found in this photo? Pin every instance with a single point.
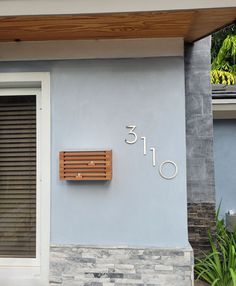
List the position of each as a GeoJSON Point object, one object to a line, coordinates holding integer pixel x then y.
{"type": "Point", "coordinates": [18, 176]}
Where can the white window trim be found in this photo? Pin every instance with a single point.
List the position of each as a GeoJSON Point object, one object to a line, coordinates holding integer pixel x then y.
{"type": "Point", "coordinates": [224, 108]}
{"type": "Point", "coordinates": [42, 81]}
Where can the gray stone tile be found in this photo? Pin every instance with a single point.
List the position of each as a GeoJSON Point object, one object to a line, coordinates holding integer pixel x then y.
{"type": "Point", "coordinates": [130, 266]}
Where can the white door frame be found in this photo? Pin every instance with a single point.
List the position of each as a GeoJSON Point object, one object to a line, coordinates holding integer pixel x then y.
{"type": "Point", "coordinates": [29, 262]}
{"type": "Point", "coordinates": [38, 84]}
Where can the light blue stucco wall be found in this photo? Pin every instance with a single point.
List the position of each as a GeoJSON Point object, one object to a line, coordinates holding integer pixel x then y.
{"type": "Point", "coordinates": [92, 102]}
{"type": "Point", "coordinates": [225, 164]}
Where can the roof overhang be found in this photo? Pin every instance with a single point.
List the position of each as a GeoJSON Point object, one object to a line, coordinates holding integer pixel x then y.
{"type": "Point", "coordinates": [86, 20]}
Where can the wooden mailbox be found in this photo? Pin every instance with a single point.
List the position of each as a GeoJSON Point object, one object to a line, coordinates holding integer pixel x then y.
{"type": "Point", "coordinates": [86, 165]}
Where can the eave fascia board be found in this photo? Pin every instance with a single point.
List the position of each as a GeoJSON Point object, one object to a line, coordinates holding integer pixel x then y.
{"type": "Point", "coordinates": [62, 7]}
{"type": "Point", "coordinates": [92, 49]}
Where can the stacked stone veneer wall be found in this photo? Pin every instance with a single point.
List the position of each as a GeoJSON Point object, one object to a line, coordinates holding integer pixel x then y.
{"type": "Point", "coordinates": [95, 266]}
{"type": "Point", "coordinates": [199, 140]}
{"type": "Point", "coordinates": [201, 218]}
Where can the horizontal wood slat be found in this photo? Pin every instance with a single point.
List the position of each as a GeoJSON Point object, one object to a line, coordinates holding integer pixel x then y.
{"type": "Point", "coordinates": [28, 187]}
{"type": "Point", "coordinates": [19, 131]}
{"type": "Point", "coordinates": [11, 156]}
{"type": "Point", "coordinates": [19, 150]}
{"type": "Point", "coordinates": [17, 165]}
{"type": "Point", "coordinates": [18, 126]}
{"type": "Point", "coordinates": [18, 136]}
{"type": "Point", "coordinates": [15, 196]}
{"type": "Point", "coordinates": [86, 165]}
{"type": "Point", "coordinates": [15, 239]}
{"type": "Point", "coordinates": [18, 109]}
{"type": "Point", "coordinates": [17, 176]}
{"type": "Point", "coordinates": [20, 212]}
{"type": "Point", "coordinates": [11, 184]}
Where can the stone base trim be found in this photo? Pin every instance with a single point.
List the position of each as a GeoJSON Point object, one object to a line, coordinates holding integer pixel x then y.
{"type": "Point", "coordinates": [120, 266]}
{"type": "Point", "coordinates": [201, 218]}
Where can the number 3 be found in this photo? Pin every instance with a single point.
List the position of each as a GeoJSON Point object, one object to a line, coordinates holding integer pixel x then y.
{"type": "Point", "coordinates": [131, 132]}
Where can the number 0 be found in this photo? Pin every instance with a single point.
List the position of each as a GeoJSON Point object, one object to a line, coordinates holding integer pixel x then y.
{"type": "Point", "coordinates": [175, 171]}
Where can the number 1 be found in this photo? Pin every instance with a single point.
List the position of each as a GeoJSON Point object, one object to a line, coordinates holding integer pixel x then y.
{"type": "Point", "coordinates": [144, 145]}
{"type": "Point", "coordinates": [153, 156]}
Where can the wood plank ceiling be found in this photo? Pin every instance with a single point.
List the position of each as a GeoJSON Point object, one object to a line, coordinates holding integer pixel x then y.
{"type": "Point", "coordinates": [188, 24]}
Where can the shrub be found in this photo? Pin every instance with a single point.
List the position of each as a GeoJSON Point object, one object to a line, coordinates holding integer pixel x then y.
{"type": "Point", "coordinates": [218, 268]}
{"type": "Point", "coordinates": [222, 77]}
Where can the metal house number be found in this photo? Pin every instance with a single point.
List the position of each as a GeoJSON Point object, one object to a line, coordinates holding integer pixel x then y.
{"type": "Point", "coordinates": [133, 139]}
{"type": "Point", "coordinates": [133, 135]}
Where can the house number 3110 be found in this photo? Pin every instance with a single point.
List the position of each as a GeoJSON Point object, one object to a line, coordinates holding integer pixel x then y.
{"type": "Point", "coordinates": [133, 138]}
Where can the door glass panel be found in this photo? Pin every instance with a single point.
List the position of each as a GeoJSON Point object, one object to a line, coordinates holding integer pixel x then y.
{"type": "Point", "coordinates": [18, 176]}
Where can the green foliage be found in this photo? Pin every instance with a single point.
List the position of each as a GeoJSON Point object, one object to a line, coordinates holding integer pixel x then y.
{"type": "Point", "coordinates": [218, 268]}
{"type": "Point", "coordinates": [223, 69]}
{"type": "Point", "coordinates": [218, 38]}
{"type": "Point", "coordinates": [222, 77]}
{"type": "Point", "coordinates": [226, 56]}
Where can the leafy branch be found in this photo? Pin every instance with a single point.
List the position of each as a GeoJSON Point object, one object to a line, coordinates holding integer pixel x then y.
{"type": "Point", "coordinates": [223, 68]}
